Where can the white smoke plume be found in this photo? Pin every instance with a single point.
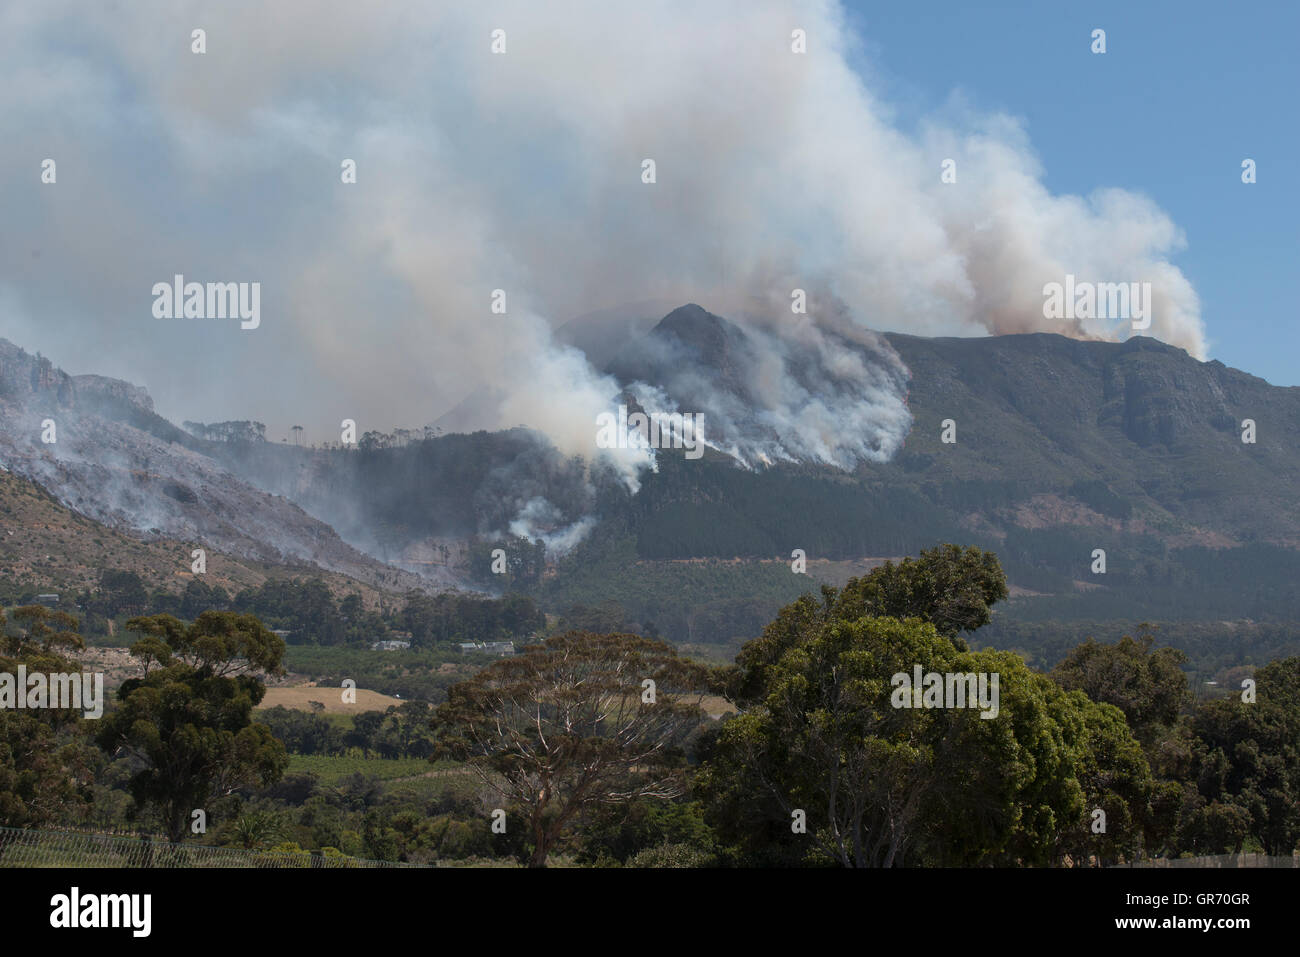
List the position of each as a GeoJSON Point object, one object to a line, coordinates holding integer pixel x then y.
{"type": "Point", "coordinates": [519, 171]}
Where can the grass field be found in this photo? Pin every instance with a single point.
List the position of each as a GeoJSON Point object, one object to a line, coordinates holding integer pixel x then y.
{"type": "Point", "coordinates": [715, 706]}
{"type": "Point", "coordinates": [331, 768]}
{"type": "Point", "coordinates": [301, 696]}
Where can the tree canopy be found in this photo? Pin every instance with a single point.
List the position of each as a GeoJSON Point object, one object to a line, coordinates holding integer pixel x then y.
{"type": "Point", "coordinates": [571, 723]}
{"type": "Point", "coordinates": [46, 763]}
{"type": "Point", "coordinates": [186, 724]}
{"type": "Point", "coordinates": [823, 739]}
{"type": "Point", "coordinates": [1247, 765]}
{"type": "Point", "coordinates": [1146, 684]}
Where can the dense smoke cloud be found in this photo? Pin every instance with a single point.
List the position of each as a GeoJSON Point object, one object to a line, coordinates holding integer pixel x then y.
{"type": "Point", "coordinates": [522, 172]}
{"type": "Point", "coordinates": [768, 391]}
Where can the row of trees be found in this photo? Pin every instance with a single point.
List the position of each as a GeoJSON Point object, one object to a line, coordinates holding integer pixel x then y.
{"type": "Point", "coordinates": [403, 731]}
{"type": "Point", "coordinates": [311, 613]}
{"type": "Point", "coordinates": [234, 431]}
{"type": "Point", "coordinates": [580, 736]}
{"type": "Point", "coordinates": [511, 561]}
{"type": "Point", "coordinates": [455, 617]}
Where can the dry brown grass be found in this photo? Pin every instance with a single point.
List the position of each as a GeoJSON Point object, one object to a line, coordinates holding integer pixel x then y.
{"type": "Point", "coordinates": [299, 698]}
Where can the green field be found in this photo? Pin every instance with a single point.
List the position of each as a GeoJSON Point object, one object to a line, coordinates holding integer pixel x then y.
{"type": "Point", "coordinates": [332, 769]}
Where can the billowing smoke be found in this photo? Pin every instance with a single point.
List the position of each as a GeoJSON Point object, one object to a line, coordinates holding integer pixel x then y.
{"type": "Point", "coordinates": [523, 171]}
{"type": "Point", "coordinates": [793, 389]}
{"type": "Point", "coordinates": [542, 494]}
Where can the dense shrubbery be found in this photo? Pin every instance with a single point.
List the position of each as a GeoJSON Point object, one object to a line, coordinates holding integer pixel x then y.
{"type": "Point", "coordinates": [413, 675]}
{"type": "Point", "coordinates": [1212, 647]}
{"type": "Point", "coordinates": [399, 732]}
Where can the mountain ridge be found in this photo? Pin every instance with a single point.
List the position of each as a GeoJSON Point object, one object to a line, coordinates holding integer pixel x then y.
{"type": "Point", "coordinates": [1062, 447]}
{"type": "Point", "coordinates": [114, 460]}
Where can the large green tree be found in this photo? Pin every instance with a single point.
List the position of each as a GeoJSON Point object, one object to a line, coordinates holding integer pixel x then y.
{"type": "Point", "coordinates": [186, 723]}
{"type": "Point", "coordinates": [48, 630]}
{"type": "Point", "coordinates": [46, 763]}
{"type": "Point", "coordinates": [878, 784]}
{"type": "Point", "coordinates": [881, 785]}
{"type": "Point", "coordinates": [952, 588]}
{"type": "Point", "coordinates": [1248, 766]}
{"type": "Point", "coordinates": [1118, 786]}
{"type": "Point", "coordinates": [1146, 683]}
{"type": "Point", "coordinates": [570, 723]}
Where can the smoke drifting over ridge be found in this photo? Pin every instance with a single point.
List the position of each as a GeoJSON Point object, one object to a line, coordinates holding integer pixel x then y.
{"type": "Point", "coordinates": [519, 171]}
{"type": "Point", "coordinates": [790, 390]}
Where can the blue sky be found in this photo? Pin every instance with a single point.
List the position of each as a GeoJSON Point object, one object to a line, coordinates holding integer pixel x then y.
{"type": "Point", "coordinates": [1184, 92]}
